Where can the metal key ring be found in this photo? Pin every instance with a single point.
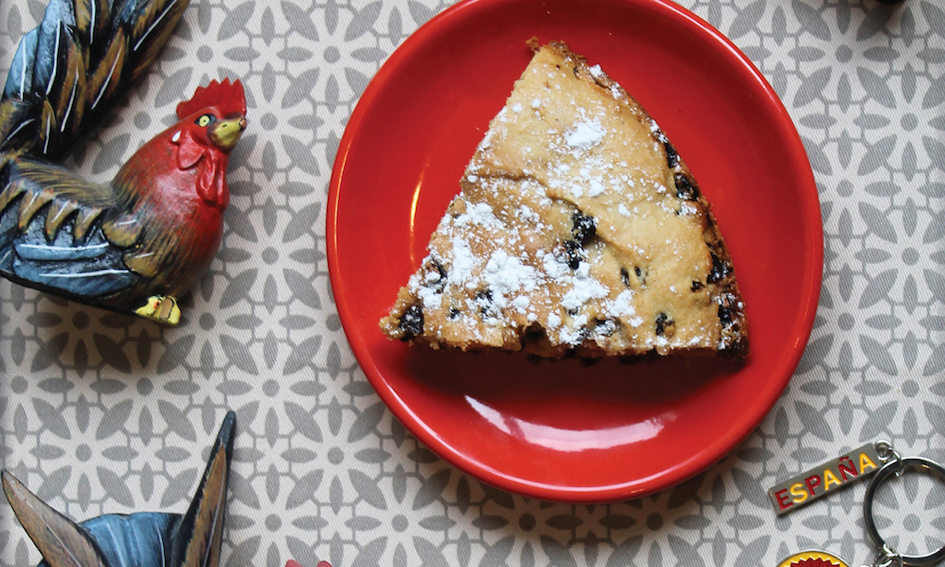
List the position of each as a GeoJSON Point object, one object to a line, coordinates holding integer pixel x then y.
{"type": "Point", "coordinates": [897, 467]}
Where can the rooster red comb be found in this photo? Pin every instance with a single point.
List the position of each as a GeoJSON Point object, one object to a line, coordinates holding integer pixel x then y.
{"type": "Point", "coordinates": [226, 96]}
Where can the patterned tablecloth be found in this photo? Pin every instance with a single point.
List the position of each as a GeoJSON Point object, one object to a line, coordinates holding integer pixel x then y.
{"type": "Point", "coordinates": [100, 413]}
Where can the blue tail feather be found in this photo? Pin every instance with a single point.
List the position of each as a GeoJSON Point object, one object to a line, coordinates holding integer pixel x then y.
{"type": "Point", "coordinates": [38, 66]}
{"type": "Point", "coordinates": [20, 77]}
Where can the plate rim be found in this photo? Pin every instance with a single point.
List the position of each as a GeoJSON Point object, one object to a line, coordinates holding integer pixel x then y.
{"type": "Point", "coordinates": [635, 488]}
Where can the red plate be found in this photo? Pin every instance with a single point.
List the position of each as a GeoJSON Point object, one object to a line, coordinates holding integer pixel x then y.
{"type": "Point", "coordinates": [557, 430]}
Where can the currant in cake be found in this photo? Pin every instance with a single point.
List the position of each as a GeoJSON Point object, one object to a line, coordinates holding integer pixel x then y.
{"type": "Point", "coordinates": [578, 230]}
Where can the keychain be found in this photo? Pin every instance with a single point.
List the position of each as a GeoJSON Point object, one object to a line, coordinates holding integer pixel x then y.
{"type": "Point", "coordinates": [879, 460]}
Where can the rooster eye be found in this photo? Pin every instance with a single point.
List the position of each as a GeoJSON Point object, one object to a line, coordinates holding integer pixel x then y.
{"type": "Point", "coordinates": [205, 120]}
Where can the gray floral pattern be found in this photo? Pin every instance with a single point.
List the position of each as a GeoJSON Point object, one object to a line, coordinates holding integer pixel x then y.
{"type": "Point", "coordinates": [99, 413]}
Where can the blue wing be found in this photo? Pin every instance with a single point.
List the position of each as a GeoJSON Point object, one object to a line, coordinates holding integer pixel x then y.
{"type": "Point", "coordinates": [134, 540]}
{"type": "Point", "coordinates": [144, 539]}
{"type": "Point", "coordinates": [113, 540]}
{"type": "Point", "coordinates": [91, 268]}
{"type": "Point", "coordinates": [52, 236]}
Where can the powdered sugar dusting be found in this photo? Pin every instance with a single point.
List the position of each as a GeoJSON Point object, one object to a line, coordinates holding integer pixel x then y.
{"type": "Point", "coordinates": [583, 289]}
{"type": "Point", "coordinates": [554, 321]}
{"type": "Point", "coordinates": [479, 213]}
{"type": "Point", "coordinates": [431, 299]}
{"type": "Point", "coordinates": [573, 334]}
{"type": "Point", "coordinates": [463, 262]}
{"type": "Point", "coordinates": [553, 267]}
{"type": "Point", "coordinates": [585, 135]}
{"type": "Point", "coordinates": [506, 274]}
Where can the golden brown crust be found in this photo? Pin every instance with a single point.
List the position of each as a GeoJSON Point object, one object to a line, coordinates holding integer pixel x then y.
{"type": "Point", "coordinates": [578, 230]}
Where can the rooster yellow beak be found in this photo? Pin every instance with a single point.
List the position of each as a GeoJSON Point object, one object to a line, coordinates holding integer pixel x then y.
{"type": "Point", "coordinates": [226, 133]}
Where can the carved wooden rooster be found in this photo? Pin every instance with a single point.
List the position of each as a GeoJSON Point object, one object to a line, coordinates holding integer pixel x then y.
{"type": "Point", "coordinates": [143, 539]}
{"type": "Point", "coordinates": [139, 243]}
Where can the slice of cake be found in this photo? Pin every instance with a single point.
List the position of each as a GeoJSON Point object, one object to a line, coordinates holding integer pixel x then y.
{"type": "Point", "coordinates": [579, 230]}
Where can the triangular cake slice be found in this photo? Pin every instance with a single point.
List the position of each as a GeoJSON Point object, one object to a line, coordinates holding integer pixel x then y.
{"type": "Point", "coordinates": [578, 230]}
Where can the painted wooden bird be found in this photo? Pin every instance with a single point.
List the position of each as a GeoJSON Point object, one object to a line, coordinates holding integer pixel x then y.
{"type": "Point", "coordinates": [143, 539]}
{"type": "Point", "coordinates": [139, 243]}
